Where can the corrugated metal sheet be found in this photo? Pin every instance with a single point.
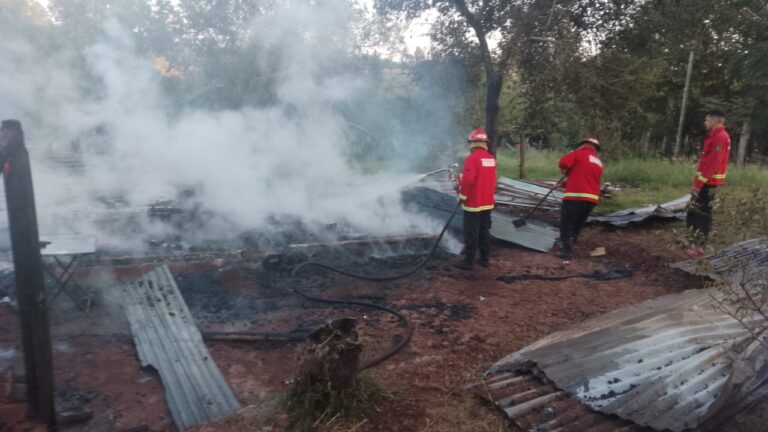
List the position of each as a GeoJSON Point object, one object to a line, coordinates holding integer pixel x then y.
{"type": "Point", "coordinates": [525, 194]}
{"type": "Point", "coordinates": [672, 363]}
{"type": "Point", "coordinates": [672, 209]}
{"type": "Point", "coordinates": [438, 199]}
{"type": "Point", "coordinates": [729, 263]}
{"type": "Point", "coordinates": [167, 339]}
{"type": "Point", "coordinates": [535, 235]}
{"type": "Point", "coordinates": [535, 404]}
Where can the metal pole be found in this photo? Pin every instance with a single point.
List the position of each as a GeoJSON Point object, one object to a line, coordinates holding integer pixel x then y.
{"type": "Point", "coordinates": [679, 138]}
{"type": "Point", "coordinates": [522, 156]}
{"type": "Point", "coordinates": [30, 288]}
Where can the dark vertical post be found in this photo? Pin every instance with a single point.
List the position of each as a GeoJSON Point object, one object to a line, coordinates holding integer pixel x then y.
{"type": "Point", "coordinates": [25, 243]}
{"type": "Point", "coordinates": [522, 156]}
{"type": "Point", "coordinates": [679, 138]}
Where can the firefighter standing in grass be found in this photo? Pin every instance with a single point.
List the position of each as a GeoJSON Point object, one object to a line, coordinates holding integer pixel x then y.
{"type": "Point", "coordinates": [584, 172]}
{"type": "Point", "coordinates": [713, 164]}
{"type": "Point", "coordinates": [477, 187]}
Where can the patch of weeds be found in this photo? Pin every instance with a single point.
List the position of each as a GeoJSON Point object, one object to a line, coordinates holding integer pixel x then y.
{"type": "Point", "coordinates": [318, 406]}
{"type": "Point", "coordinates": [684, 238]}
{"type": "Point", "coordinates": [739, 214]}
{"type": "Point", "coordinates": [469, 416]}
{"type": "Point", "coordinates": [744, 215]}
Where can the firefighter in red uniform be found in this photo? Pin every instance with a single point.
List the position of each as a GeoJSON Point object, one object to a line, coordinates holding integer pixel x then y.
{"type": "Point", "coordinates": [477, 187]}
{"type": "Point", "coordinates": [713, 165]}
{"type": "Point", "coordinates": [584, 172]}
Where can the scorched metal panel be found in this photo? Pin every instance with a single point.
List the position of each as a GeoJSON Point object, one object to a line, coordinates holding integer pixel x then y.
{"type": "Point", "coordinates": [167, 339]}
{"type": "Point", "coordinates": [671, 363]}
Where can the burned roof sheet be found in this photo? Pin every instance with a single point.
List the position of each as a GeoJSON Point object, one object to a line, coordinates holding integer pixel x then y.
{"type": "Point", "coordinates": [535, 404]}
{"type": "Point", "coordinates": [672, 363]}
{"type": "Point", "coordinates": [525, 194]}
{"type": "Point", "coordinates": [749, 256]}
{"type": "Point", "coordinates": [672, 209]}
{"type": "Point", "coordinates": [167, 339]}
{"type": "Point", "coordinates": [437, 199]}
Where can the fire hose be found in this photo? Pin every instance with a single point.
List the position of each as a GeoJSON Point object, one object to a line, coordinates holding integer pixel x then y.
{"type": "Point", "coordinates": [267, 336]}
{"type": "Point", "coordinates": [408, 327]}
{"type": "Point", "coordinates": [297, 337]}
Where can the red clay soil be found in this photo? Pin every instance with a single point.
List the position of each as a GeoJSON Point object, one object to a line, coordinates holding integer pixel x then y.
{"type": "Point", "coordinates": [464, 321]}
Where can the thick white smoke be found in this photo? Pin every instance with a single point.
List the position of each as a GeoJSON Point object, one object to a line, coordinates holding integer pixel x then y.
{"type": "Point", "coordinates": [247, 166]}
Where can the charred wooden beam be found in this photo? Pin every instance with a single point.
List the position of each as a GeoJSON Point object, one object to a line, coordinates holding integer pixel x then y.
{"type": "Point", "coordinates": [25, 244]}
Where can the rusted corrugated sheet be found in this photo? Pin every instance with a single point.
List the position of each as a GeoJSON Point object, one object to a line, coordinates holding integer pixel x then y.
{"type": "Point", "coordinates": [535, 404]}
{"type": "Point", "coordinates": [167, 339]}
{"type": "Point", "coordinates": [672, 363]}
{"type": "Point", "coordinates": [672, 209]}
{"type": "Point", "coordinates": [749, 256]}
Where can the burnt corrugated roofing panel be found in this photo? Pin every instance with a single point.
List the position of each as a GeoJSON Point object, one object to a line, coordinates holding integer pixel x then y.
{"type": "Point", "coordinates": [525, 194]}
{"type": "Point", "coordinates": [672, 209]}
{"type": "Point", "coordinates": [750, 256]}
{"type": "Point", "coordinates": [535, 404]}
{"type": "Point", "coordinates": [534, 234]}
{"type": "Point", "coordinates": [436, 200]}
{"type": "Point", "coordinates": [671, 363]}
{"type": "Point", "coordinates": [167, 339]}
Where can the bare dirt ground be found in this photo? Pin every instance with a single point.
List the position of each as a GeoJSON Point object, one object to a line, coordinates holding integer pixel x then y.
{"type": "Point", "coordinates": [464, 321]}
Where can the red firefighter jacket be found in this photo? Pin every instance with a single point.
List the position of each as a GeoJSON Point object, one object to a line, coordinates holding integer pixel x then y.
{"type": "Point", "coordinates": [713, 162]}
{"type": "Point", "coordinates": [584, 170]}
{"type": "Point", "coordinates": [478, 181]}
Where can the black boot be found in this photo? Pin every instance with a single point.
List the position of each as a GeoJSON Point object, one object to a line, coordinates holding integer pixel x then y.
{"type": "Point", "coordinates": [565, 249]}
{"type": "Point", "coordinates": [484, 261]}
{"type": "Point", "coordinates": [465, 264]}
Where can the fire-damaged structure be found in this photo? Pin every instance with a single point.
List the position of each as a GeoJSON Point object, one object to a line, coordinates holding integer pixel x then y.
{"type": "Point", "coordinates": [436, 197]}
{"type": "Point", "coordinates": [674, 209]}
{"type": "Point", "coordinates": [678, 362]}
{"type": "Point", "coordinates": [515, 199]}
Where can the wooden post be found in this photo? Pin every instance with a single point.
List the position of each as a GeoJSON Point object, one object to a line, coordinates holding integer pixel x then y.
{"type": "Point", "coordinates": [746, 133]}
{"type": "Point", "coordinates": [682, 108]}
{"type": "Point", "coordinates": [522, 156]}
{"type": "Point", "coordinates": [647, 142]}
{"type": "Point", "coordinates": [30, 288]}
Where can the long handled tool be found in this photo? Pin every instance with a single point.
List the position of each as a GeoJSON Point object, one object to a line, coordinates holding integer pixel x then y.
{"type": "Point", "coordinates": [519, 223]}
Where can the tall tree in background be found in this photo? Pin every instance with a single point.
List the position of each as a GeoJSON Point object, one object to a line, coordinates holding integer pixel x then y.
{"type": "Point", "coordinates": [726, 43]}
{"type": "Point", "coordinates": [488, 22]}
{"type": "Point", "coordinates": [533, 36]}
{"type": "Point", "coordinates": [751, 64]}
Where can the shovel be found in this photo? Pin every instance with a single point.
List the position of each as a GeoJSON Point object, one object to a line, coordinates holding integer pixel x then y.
{"type": "Point", "coordinates": [519, 223]}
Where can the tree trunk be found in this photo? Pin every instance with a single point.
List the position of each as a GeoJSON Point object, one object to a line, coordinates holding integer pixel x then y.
{"type": "Point", "coordinates": [746, 132]}
{"type": "Point", "coordinates": [523, 144]}
{"type": "Point", "coordinates": [647, 142]}
{"type": "Point", "coordinates": [495, 83]}
{"type": "Point", "coordinates": [676, 150]}
{"type": "Point", "coordinates": [331, 359]}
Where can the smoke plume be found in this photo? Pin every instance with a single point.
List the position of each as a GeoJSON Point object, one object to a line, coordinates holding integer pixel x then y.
{"type": "Point", "coordinates": [105, 136]}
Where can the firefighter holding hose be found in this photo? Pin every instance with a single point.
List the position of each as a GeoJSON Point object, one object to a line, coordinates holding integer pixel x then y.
{"type": "Point", "coordinates": [477, 187]}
